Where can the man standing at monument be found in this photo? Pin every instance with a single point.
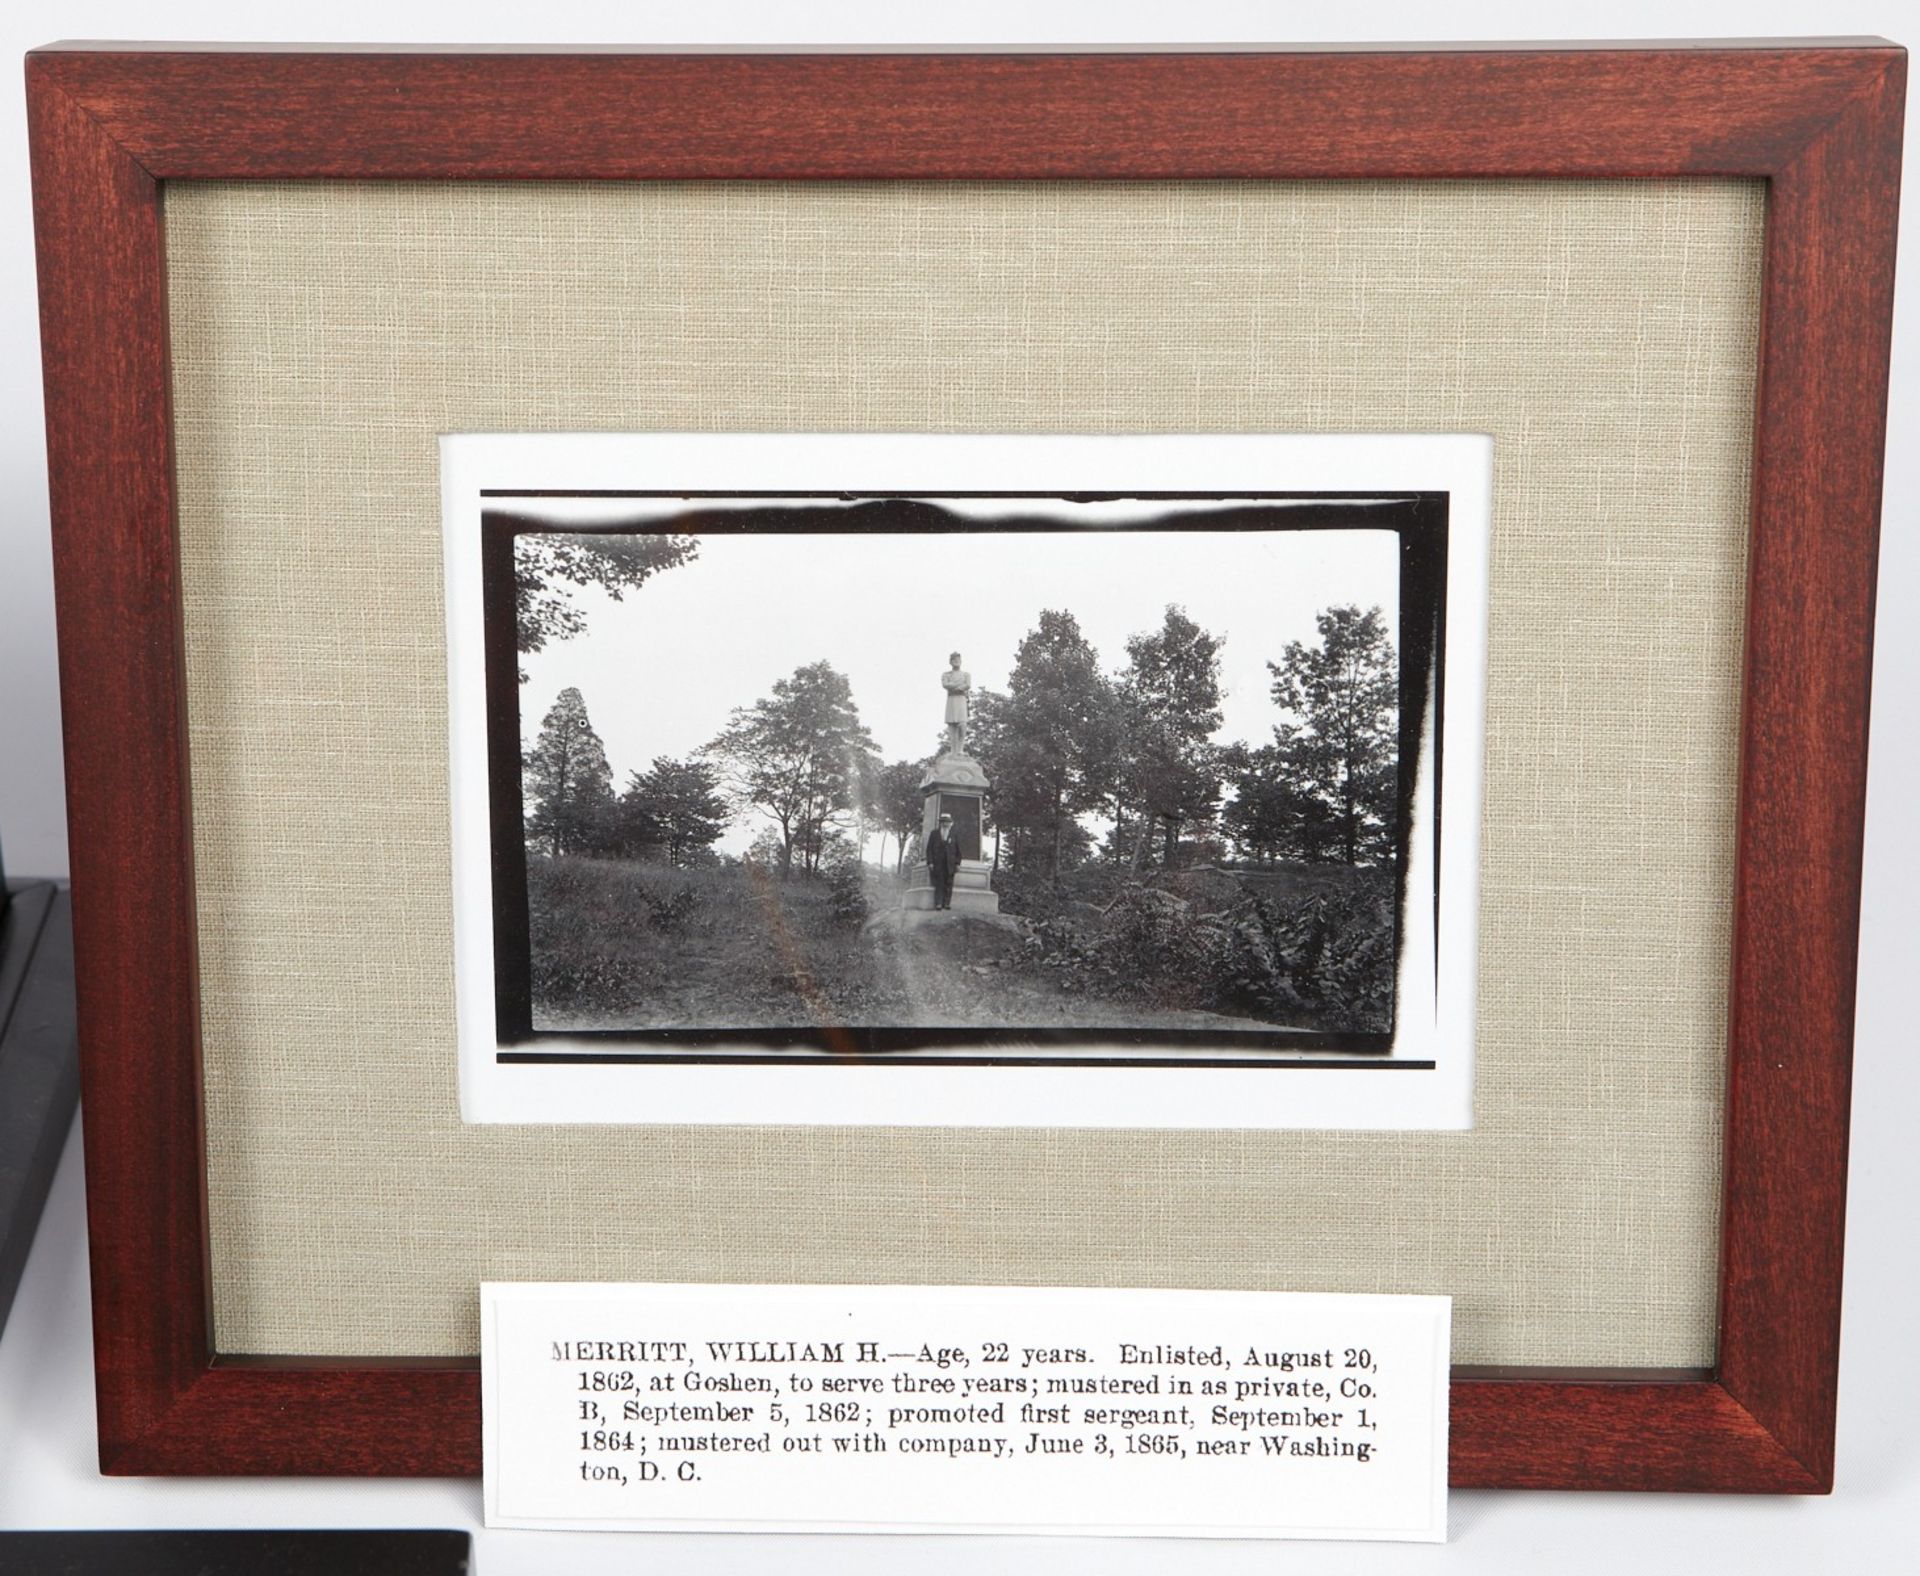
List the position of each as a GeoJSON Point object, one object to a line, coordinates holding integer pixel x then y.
{"type": "Point", "coordinates": [943, 860]}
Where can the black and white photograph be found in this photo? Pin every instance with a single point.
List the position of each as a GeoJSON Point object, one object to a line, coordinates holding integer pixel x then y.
{"type": "Point", "coordinates": [1159, 791]}
{"type": "Point", "coordinates": [967, 777]}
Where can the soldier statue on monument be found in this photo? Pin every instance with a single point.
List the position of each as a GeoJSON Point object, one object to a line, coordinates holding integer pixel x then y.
{"type": "Point", "coordinates": [958, 684]}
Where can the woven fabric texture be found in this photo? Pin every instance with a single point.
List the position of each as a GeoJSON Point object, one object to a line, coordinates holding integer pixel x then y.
{"type": "Point", "coordinates": [325, 334]}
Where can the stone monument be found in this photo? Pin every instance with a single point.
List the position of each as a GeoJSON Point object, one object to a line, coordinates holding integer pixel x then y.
{"type": "Point", "coordinates": [954, 785]}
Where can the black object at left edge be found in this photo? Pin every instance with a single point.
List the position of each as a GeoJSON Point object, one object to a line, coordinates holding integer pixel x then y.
{"type": "Point", "coordinates": [39, 1062]}
{"type": "Point", "coordinates": [252, 1553]}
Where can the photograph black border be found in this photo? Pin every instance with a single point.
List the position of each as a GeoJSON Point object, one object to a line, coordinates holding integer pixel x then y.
{"type": "Point", "coordinates": [1419, 520]}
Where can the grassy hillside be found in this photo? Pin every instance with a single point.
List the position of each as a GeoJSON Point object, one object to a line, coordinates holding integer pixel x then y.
{"type": "Point", "coordinates": [623, 944]}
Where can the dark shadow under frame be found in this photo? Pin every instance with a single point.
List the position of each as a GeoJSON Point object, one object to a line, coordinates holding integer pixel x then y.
{"type": "Point", "coordinates": [1820, 123]}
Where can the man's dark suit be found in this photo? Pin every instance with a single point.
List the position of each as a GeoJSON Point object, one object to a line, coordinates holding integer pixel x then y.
{"type": "Point", "coordinates": [943, 859]}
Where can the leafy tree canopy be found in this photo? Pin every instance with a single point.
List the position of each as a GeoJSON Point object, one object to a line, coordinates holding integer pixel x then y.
{"type": "Point", "coordinates": [802, 756]}
{"type": "Point", "coordinates": [899, 804]}
{"type": "Point", "coordinates": [675, 806]}
{"type": "Point", "coordinates": [1170, 695]}
{"type": "Point", "coordinates": [1052, 743]}
{"type": "Point", "coordinates": [1342, 740]}
{"type": "Point", "coordinates": [1272, 815]}
{"type": "Point", "coordinates": [548, 566]}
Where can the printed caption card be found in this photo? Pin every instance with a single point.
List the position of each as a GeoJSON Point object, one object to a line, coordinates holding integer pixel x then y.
{"type": "Point", "coordinates": [965, 1409]}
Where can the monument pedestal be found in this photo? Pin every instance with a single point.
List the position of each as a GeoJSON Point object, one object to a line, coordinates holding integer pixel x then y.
{"type": "Point", "coordinates": [956, 786]}
{"type": "Point", "coordinates": [972, 890]}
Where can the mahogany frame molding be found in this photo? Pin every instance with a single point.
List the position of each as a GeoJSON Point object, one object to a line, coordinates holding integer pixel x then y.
{"type": "Point", "coordinates": [1820, 123]}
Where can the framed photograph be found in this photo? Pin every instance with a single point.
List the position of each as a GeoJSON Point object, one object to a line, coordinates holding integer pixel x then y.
{"type": "Point", "coordinates": [275, 282]}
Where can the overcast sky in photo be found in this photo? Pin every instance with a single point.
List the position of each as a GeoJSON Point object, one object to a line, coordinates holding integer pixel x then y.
{"type": "Point", "coordinates": [662, 669]}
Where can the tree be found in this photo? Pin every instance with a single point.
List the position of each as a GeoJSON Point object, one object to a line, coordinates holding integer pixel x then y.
{"type": "Point", "coordinates": [547, 564]}
{"type": "Point", "coordinates": [863, 803]}
{"type": "Point", "coordinates": [1170, 701]}
{"type": "Point", "coordinates": [1343, 746]}
{"type": "Point", "coordinates": [1271, 816]}
{"type": "Point", "coordinates": [637, 830]}
{"type": "Point", "coordinates": [763, 851]}
{"type": "Point", "coordinates": [900, 805]}
{"type": "Point", "coordinates": [802, 756]}
{"type": "Point", "coordinates": [987, 744]}
{"type": "Point", "coordinates": [566, 773]}
{"type": "Point", "coordinates": [1051, 746]}
{"type": "Point", "coordinates": [675, 805]}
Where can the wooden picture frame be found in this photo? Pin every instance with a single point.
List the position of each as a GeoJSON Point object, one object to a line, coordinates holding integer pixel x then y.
{"type": "Point", "coordinates": [1821, 124]}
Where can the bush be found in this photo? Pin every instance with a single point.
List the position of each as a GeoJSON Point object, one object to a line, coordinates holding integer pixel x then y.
{"type": "Point", "coordinates": [1156, 947]}
{"type": "Point", "coordinates": [589, 976]}
{"type": "Point", "coordinates": [1063, 949]}
{"type": "Point", "coordinates": [1034, 894]}
{"type": "Point", "coordinates": [588, 923]}
{"type": "Point", "coordinates": [1323, 960]}
{"type": "Point", "coordinates": [1349, 965]}
{"type": "Point", "coordinates": [1029, 894]}
{"type": "Point", "coordinates": [670, 911]}
{"type": "Point", "coordinates": [1328, 958]}
{"type": "Point", "coordinates": [847, 904]}
{"type": "Point", "coordinates": [582, 931]}
{"type": "Point", "coordinates": [1148, 946]}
